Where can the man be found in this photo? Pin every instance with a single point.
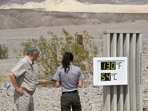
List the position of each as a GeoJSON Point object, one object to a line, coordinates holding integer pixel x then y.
{"type": "Point", "coordinates": [22, 78]}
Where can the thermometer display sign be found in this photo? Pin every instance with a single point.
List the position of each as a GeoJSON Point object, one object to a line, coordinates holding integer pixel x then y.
{"type": "Point", "coordinates": [110, 71]}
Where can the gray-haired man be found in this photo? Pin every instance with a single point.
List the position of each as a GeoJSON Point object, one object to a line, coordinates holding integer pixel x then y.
{"type": "Point", "coordinates": [22, 78]}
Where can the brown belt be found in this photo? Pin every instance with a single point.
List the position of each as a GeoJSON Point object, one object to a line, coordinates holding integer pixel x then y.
{"type": "Point", "coordinates": [29, 92]}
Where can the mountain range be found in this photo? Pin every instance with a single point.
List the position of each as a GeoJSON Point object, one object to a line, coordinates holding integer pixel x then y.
{"type": "Point", "coordinates": [22, 18]}
{"type": "Point", "coordinates": [66, 12]}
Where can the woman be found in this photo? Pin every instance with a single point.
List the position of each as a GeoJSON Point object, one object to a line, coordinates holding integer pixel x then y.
{"type": "Point", "coordinates": [70, 78]}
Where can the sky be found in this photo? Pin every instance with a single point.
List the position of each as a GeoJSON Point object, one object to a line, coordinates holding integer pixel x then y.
{"type": "Point", "coordinates": [88, 1]}
{"type": "Point", "coordinates": [18, 1]}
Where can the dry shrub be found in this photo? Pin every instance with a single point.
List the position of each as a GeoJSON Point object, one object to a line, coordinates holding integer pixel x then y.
{"type": "Point", "coordinates": [81, 45]}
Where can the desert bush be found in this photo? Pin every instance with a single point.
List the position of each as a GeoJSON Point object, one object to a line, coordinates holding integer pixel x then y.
{"type": "Point", "coordinates": [3, 52]}
{"type": "Point", "coordinates": [52, 49]}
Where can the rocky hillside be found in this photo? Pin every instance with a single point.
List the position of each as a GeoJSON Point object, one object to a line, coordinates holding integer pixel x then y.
{"type": "Point", "coordinates": [14, 19]}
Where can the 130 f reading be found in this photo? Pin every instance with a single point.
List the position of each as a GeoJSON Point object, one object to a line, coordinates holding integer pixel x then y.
{"type": "Point", "coordinates": [108, 65]}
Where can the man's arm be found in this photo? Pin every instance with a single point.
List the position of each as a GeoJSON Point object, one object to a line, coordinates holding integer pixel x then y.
{"type": "Point", "coordinates": [13, 80]}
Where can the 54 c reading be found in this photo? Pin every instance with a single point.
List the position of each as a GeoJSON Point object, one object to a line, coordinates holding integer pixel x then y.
{"type": "Point", "coordinates": [105, 76]}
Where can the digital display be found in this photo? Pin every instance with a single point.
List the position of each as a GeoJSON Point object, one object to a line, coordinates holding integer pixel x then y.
{"type": "Point", "coordinates": [110, 71]}
{"type": "Point", "coordinates": [108, 65]}
{"type": "Point", "coordinates": [105, 76]}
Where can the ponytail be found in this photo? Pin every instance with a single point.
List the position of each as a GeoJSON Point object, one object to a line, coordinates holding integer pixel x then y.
{"type": "Point", "coordinates": [67, 58]}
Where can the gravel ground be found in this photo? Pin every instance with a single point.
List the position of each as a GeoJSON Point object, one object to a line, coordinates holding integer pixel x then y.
{"type": "Point", "coordinates": [48, 98]}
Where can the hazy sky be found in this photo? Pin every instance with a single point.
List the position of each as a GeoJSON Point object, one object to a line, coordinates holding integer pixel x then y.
{"type": "Point", "coordinates": [90, 1]}
{"type": "Point", "coordinates": [18, 1]}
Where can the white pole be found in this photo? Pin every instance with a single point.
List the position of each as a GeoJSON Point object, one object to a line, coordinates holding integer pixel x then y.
{"type": "Point", "coordinates": [138, 71]}
{"type": "Point", "coordinates": [114, 88]}
{"type": "Point", "coordinates": [132, 67]}
{"type": "Point", "coordinates": [120, 88]}
{"type": "Point", "coordinates": [126, 88]}
{"type": "Point", "coordinates": [106, 89]}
